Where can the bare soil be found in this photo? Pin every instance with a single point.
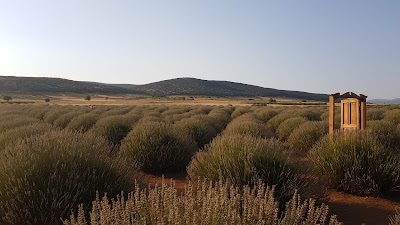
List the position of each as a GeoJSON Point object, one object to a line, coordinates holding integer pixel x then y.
{"type": "Point", "coordinates": [352, 209]}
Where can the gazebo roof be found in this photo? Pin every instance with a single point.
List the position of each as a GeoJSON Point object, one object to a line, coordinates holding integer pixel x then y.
{"type": "Point", "coordinates": [349, 95]}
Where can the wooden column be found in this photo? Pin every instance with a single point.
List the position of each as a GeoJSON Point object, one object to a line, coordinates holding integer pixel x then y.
{"type": "Point", "coordinates": [331, 116]}
{"type": "Point", "coordinates": [363, 114]}
{"type": "Point", "coordinates": [358, 113]}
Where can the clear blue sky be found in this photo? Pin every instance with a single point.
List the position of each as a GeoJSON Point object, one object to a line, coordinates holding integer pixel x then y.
{"type": "Point", "coordinates": [308, 45]}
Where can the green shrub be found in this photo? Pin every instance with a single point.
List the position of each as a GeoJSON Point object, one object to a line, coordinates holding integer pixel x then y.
{"type": "Point", "coordinates": [173, 111]}
{"type": "Point", "coordinates": [325, 117]}
{"type": "Point", "coordinates": [158, 147]}
{"type": "Point", "coordinates": [199, 127]}
{"type": "Point", "coordinates": [13, 135]}
{"type": "Point", "coordinates": [286, 127]}
{"type": "Point", "coordinates": [239, 111]}
{"type": "Point", "coordinates": [393, 116]}
{"type": "Point", "coordinates": [38, 112]}
{"type": "Point", "coordinates": [113, 128]}
{"type": "Point", "coordinates": [52, 115]}
{"type": "Point", "coordinates": [7, 98]}
{"type": "Point", "coordinates": [204, 203]}
{"type": "Point", "coordinates": [265, 114]}
{"type": "Point", "coordinates": [152, 114]}
{"type": "Point", "coordinates": [375, 114]}
{"type": "Point", "coordinates": [161, 108]}
{"type": "Point", "coordinates": [7, 110]}
{"type": "Point", "coordinates": [310, 114]}
{"type": "Point", "coordinates": [194, 112]}
{"type": "Point", "coordinates": [221, 118]}
{"type": "Point", "coordinates": [6, 116]}
{"type": "Point", "coordinates": [355, 162]}
{"type": "Point", "coordinates": [307, 134]}
{"type": "Point", "coordinates": [386, 132]}
{"type": "Point", "coordinates": [44, 177]}
{"type": "Point", "coordinates": [173, 118]}
{"type": "Point", "coordinates": [104, 108]}
{"type": "Point", "coordinates": [275, 121]}
{"type": "Point", "coordinates": [151, 119]}
{"type": "Point", "coordinates": [206, 109]}
{"type": "Point", "coordinates": [98, 110]}
{"type": "Point", "coordinates": [14, 121]}
{"type": "Point", "coordinates": [244, 160]}
{"type": "Point", "coordinates": [174, 114]}
{"type": "Point", "coordinates": [229, 109]}
{"type": "Point", "coordinates": [134, 115]}
{"type": "Point", "coordinates": [247, 124]}
{"type": "Point", "coordinates": [63, 120]}
{"type": "Point", "coordinates": [117, 111]}
{"type": "Point", "coordinates": [82, 122]}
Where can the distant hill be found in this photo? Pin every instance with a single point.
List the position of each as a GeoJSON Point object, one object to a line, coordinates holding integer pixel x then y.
{"type": "Point", "coordinates": [123, 85]}
{"type": "Point", "coordinates": [197, 87]}
{"type": "Point", "coordinates": [179, 86]}
{"type": "Point", "coordinates": [385, 101]}
{"type": "Point", "coordinates": [43, 85]}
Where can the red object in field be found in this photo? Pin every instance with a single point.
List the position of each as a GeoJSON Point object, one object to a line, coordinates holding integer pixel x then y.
{"type": "Point", "coordinates": [92, 106]}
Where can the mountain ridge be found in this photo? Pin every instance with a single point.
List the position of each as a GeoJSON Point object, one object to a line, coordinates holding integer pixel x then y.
{"type": "Point", "coordinates": [177, 86]}
{"type": "Point", "coordinates": [385, 101]}
{"type": "Point", "coordinates": [49, 85]}
{"type": "Point", "coordinates": [194, 86]}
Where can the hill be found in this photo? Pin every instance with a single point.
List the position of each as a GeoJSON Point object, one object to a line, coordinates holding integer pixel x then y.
{"type": "Point", "coordinates": [178, 86]}
{"type": "Point", "coordinates": [44, 85]}
{"type": "Point", "coordinates": [385, 101]}
{"type": "Point", "coordinates": [123, 85]}
{"type": "Point", "coordinates": [197, 87]}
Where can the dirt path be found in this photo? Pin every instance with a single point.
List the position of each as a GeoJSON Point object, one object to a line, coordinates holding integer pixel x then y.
{"type": "Point", "coordinates": [357, 210]}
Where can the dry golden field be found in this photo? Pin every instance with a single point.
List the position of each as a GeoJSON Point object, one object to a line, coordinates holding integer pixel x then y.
{"type": "Point", "coordinates": [141, 100]}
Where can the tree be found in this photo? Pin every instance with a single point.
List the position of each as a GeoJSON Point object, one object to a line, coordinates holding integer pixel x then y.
{"type": "Point", "coordinates": [87, 98]}
{"type": "Point", "coordinates": [7, 98]}
{"type": "Point", "coordinates": [47, 100]}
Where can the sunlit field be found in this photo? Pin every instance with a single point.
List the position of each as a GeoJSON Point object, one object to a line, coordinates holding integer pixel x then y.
{"type": "Point", "coordinates": [62, 162]}
{"type": "Point", "coordinates": [146, 100]}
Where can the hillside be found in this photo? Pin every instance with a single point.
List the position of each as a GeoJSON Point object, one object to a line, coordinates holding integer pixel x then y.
{"type": "Point", "coordinates": [123, 85]}
{"type": "Point", "coordinates": [43, 85]}
{"type": "Point", "coordinates": [385, 101]}
{"type": "Point", "coordinates": [197, 87]}
{"type": "Point", "coordinates": [179, 86]}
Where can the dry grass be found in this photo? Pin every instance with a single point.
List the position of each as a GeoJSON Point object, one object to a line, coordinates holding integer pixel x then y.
{"type": "Point", "coordinates": [204, 203]}
{"type": "Point", "coordinates": [395, 220]}
{"type": "Point", "coordinates": [139, 101]}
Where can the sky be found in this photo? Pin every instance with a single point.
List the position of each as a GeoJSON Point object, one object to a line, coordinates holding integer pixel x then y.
{"type": "Point", "coordinates": [315, 46]}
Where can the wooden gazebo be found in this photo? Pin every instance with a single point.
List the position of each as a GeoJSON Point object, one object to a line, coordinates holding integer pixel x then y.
{"type": "Point", "coordinates": [353, 111]}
